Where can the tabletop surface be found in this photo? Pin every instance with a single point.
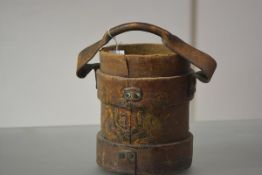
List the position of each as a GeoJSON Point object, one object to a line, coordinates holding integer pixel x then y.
{"type": "Point", "coordinates": [220, 148]}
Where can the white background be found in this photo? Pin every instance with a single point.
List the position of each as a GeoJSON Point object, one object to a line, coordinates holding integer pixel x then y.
{"type": "Point", "coordinates": [40, 40]}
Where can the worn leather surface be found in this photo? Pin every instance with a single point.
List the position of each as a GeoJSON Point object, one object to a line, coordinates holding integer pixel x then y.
{"type": "Point", "coordinates": [160, 159]}
{"type": "Point", "coordinates": [145, 95]}
{"type": "Point", "coordinates": [142, 60]}
{"type": "Point", "coordinates": [157, 92]}
{"type": "Point", "coordinates": [201, 60]}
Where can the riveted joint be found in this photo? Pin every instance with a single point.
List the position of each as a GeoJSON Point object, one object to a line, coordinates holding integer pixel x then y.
{"type": "Point", "coordinates": [132, 94]}
{"type": "Point", "coordinates": [127, 155]}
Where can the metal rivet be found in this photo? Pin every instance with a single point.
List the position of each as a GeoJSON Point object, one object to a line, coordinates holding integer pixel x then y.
{"type": "Point", "coordinates": [121, 155]}
{"type": "Point", "coordinates": [127, 95]}
{"type": "Point", "coordinates": [137, 96]}
{"type": "Point", "coordinates": [131, 156]}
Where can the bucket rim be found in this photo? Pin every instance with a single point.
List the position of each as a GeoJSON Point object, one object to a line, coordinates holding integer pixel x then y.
{"type": "Point", "coordinates": [163, 50]}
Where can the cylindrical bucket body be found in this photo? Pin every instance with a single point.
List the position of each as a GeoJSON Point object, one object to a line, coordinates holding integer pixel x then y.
{"type": "Point", "coordinates": [144, 96]}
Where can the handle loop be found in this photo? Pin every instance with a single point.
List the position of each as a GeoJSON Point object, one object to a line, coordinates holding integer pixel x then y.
{"type": "Point", "coordinates": [201, 60]}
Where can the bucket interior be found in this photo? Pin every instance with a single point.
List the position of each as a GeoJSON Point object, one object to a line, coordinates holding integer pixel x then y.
{"type": "Point", "coordinates": [141, 49]}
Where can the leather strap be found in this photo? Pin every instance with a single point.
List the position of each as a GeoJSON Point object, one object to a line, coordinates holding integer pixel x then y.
{"type": "Point", "coordinates": [201, 60]}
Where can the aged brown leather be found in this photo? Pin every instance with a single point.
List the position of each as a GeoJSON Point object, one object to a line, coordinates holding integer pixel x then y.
{"type": "Point", "coordinates": [145, 97]}
{"type": "Point", "coordinates": [203, 61]}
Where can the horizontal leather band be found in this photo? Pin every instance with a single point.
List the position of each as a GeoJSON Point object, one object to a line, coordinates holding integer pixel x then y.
{"type": "Point", "coordinates": [144, 159]}
{"type": "Point", "coordinates": [155, 92]}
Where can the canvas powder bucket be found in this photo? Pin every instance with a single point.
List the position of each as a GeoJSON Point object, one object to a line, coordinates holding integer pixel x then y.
{"type": "Point", "coordinates": [145, 95]}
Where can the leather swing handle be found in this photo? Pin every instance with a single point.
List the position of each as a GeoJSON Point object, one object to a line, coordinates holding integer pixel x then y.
{"type": "Point", "coordinates": [201, 60]}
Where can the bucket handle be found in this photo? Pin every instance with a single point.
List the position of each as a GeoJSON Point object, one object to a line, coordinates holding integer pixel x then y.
{"type": "Point", "coordinates": [201, 60]}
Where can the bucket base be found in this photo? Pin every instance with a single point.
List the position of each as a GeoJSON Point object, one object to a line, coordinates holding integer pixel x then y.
{"type": "Point", "coordinates": [144, 159]}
